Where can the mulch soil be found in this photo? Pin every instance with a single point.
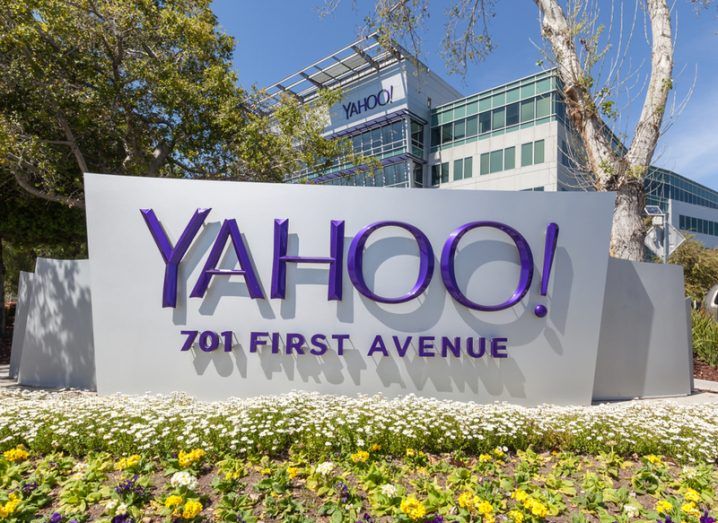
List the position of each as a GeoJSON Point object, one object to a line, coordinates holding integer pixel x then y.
{"type": "Point", "coordinates": [704, 372]}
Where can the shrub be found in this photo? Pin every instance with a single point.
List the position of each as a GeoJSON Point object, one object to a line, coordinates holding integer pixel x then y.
{"type": "Point", "coordinates": [705, 337]}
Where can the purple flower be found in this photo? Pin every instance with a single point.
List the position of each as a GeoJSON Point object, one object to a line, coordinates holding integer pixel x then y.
{"type": "Point", "coordinates": [667, 520]}
{"type": "Point", "coordinates": [122, 518]}
{"type": "Point", "coordinates": [343, 492]}
{"type": "Point", "coordinates": [366, 518]}
{"type": "Point", "coordinates": [56, 517]}
{"type": "Point", "coordinates": [705, 518]}
{"type": "Point", "coordinates": [28, 488]}
{"type": "Point", "coordinates": [436, 519]}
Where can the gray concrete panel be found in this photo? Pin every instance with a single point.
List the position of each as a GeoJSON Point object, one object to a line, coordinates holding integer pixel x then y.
{"type": "Point", "coordinates": [644, 349]}
{"type": "Point", "coordinates": [138, 342]}
{"type": "Point", "coordinates": [58, 344]}
{"type": "Point", "coordinates": [18, 334]}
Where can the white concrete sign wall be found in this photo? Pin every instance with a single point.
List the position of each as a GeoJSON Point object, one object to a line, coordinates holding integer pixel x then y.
{"type": "Point", "coordinates": [334, 330]}
{"type": "Point", "coordinates": [57, 349]}
{"type": "Point", "coordinates": [24, 289]}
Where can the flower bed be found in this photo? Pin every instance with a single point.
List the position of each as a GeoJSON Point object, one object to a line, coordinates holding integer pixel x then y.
{"type": "Point", "coordinates": [307, 457]}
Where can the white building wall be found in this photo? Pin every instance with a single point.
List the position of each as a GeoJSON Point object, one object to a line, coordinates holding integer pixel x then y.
{"type": "Point", "coordinates": [516, 179]}
{"type": "Point", "coordinates": [677, 207]}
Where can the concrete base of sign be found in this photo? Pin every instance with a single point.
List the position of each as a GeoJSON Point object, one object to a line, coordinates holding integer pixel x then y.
{"type": "Point", "coordinates": [24, 288]}
{"type": "Point", "coordinates": [644, 348]}
{"type": "Point", "coordinates": [57, 349]}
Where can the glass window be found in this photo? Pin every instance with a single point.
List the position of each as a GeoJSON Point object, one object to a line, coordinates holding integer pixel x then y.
{"type": "Point", "coordinates": [509, 158]}
{"type": "Point", "coordinates": [512, 114]}
{"type": "Point", "coordinates": [389, 175]}
{"type": "Point", "coordinates": [543, 85]}
{"type": "Point", "coordinates": [484, 122]}
{"type": "Point", "coordinates": [484, 163]}
{"type": "Point", "coordinates": [386, 135]}
{"type": "Point", "coordinates": [543, 106]}
{"type": "Point", "coordinates": [445, 172]}
{"type": "Point", "coordinates": [435, 174]}
{"type": "Point", "coordinates": [418, 175]}
{"type": "Point", "coordinates": [538, 151]}
{"type": "Point", "coordinates": [513, 95]}
{"type": "Point", "coordinates": [356, 143]}
{"type": "Point", "coordinates": [472, 108]}
{"type": "Point", "coordinates": [376, 138]}
{"type": "Point", "coordinates": [497, 161]}
{"type": "Point", "coordinates": [485, 104]}
{"type": "Point", "coordinates": [435, 136]}
{"type": "Point", "coordinates": [447, 134]}
{"type": "Point", "coordinates": [498, 100]}
{"type": "Point", "coordinates": [527, 90]}
{"type": "Point", "coordinates": [472, 123]}
{"type": "Point", "coordinates": [458, 169]}
{"type": "Point", "coordinates": [468, 167]}
{"type": "Point", "coordinates": [460, 112]}
{"type": "Point", "coordinates": [459, 129]}
{"type": "Point", "coordinates": [527, 110]}
{"type": "Point", "coordinates": [397, 131]}
{"type": "Point", "coordinates": [527, 154]}
{"type": "Point", "coordinates": [498, 119]}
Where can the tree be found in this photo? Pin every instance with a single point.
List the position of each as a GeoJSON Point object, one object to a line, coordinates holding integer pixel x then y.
{"type": "Point", "coordinates": [133, 87]}
{"type": "Point", "coordinates": [573, 34]}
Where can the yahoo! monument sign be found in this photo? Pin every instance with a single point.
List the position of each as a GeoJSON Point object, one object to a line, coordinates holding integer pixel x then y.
{"type": "Point", "coordinates": [236, 289]}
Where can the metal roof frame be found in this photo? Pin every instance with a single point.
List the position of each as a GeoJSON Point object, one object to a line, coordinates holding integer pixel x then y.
{"type": "Point", "coordinates": [363, 57]}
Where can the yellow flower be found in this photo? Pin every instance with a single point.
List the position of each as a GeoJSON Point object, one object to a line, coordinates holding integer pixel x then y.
{"type": "Point", "coordinates": [655, 460]}
{"type": "Point", "coordinates": [692, 495]}
{"type": "Point", "coordinates": [519, 495]}
{"type": "Point", "coordinates": [173, 501]}
{"type": "Point", "coordinates": [10, 506]}
{"type": "Point", "coordinates": [484, 508]}
{"type": "Point", "coordinates": [536, 508]}
{"type": "Point", "coordinates": [690, 509]}
{"type": "Point", "coordinates": [484, 458]}
{"type": "Point", "coordinates": [488, 518]}
{"type": "Point", "coordinates": [468, 500]}
{"type": "Point", "coordinates": [17, 454]}
{"type": "Point", "coordinates": [360, 456]}
{"type": "Point", "coordinates": [422, 471]}
{"type": "Point", "coordinates": [663, 506]}
{"type": "Point", "coordinates": [186, 459]}
{"type": "Point", "coordinates": [410, 453]}
{"type": "Point", "coordinates": [128, 462]}
{"type": "Point", "coordinates": [266, 471]}
{"type": "Point", "coordinates": [292, 472]}
{"type": "Point", "coordinates": [375, 447]}
{"type": "Point", "coordinates": [231, 476]}
{"type": "Point", "coordinates": [498, 452]}
{"type": "Point", "coordinates": [413, 508]}
{"type": "Point", "coordinates": [516, 516]}
{"type": "Point", "coordinates": [191, 509]}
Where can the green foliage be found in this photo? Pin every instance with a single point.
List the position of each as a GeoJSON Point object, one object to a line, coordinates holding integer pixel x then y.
{"type": "Point", "coordinates": [705, 337]}
{"type": "Point", "coordinates": [700, 267]}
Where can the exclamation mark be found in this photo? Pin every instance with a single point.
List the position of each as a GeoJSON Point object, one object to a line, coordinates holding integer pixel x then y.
{"type": "Point", "coordinates": [549, 250]}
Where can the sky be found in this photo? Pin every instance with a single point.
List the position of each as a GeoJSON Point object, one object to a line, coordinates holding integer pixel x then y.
{"type": "Point", "coordinates": [276, 38]}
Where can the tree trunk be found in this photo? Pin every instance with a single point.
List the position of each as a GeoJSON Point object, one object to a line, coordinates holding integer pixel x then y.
{"type": "Point", "coordinates": [627, 230]}
{"type": "Point", "coordinates": [2, 293]}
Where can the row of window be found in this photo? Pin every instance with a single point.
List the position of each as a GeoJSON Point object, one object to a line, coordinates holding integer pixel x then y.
{"type": "Point", "coordinates": [395, 175]}
{"type": "Point", "coordinates": [496, 119]}
{"type": "Point", "coordinates": [492, 162]}
{"type": "Point", "coordinates": [662, 185]}
{"type": "Point", "coordinates": [493, 99]}
{"type": "Point", "coordinates": [698, 225]}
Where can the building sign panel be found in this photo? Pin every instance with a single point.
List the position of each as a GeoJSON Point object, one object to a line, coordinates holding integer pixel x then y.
{"type": "Point", "coordinates": [236, 289]}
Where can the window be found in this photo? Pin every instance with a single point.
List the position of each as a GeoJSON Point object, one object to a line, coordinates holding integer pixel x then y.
{"type": "Point", "coordinates": [497, 161]}
{"type": "Point", "coordinates": [498, 119]}
{"type": "Point", "coordinates": [512, 114]}
{"type": "Point", "coordinates": [459, 129]}
{"type": "Point", "coordinates": [484, 167]}
{"type": "Point", "coordinates": [447, 134]}
{"type": "Point", "coordinates": [458, 169]}
{"type": "Point", "coordinates": [463, 168]}
{"type": "Point", "coordinates": [484, 122]}
{"type": "Point", "coordinates": [527, 110]}
{"type": "Point", "coordinates": [527, 154]}
{"type": "Point", "coordinates": [538, 151]}
{"type": "Point", "coordinates": [509, 158]}
{"type": "Point", "coordinates": [440, 173]}
{"type": "Point", "coordinates": [543, 106]}
{"type": "Point", "coordinates": [418, 175]}
{"type": "Point", "coordinates": [468, 167]}
{"type": "Point", "coordinates": [472, 126]}
{"type": "Point", "coordinates": [435, 136]}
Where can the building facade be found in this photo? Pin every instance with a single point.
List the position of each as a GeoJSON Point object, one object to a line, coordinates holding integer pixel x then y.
{"type": "Point", "coordinates": [426, 134]}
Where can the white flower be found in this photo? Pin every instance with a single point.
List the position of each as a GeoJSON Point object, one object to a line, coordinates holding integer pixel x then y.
{"type": "Point", "coordinates": [389, 490]}
{"type": "Point", "coordinates": [325, 468]}
{"type": "Point", "coordinates": [183, 479]}
{"type": "Point", "coordinates": [121, 509]}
